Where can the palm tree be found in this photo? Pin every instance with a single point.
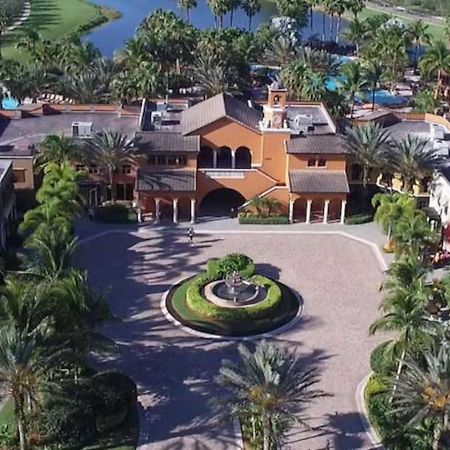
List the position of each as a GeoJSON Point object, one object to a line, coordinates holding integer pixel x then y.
{"type": "Point", "coordinates": [353, 82]}
{"type": "Point", "coordinates": [251, 7]}
{"type": "Point", "coordinates": [367, 146]}
{"type": "Point", "coordinates": [413, 160]}
{"type": "Point", "coordinates": [423, 393]}
{"type": "Point", "coordinates": [355, 6]}
{"type": "Point", "coordinates": [404, 312]}
{"type": "Point", "coordinates": [436, 59]}
{"type": "Point", "coordinates": [419, 35]}
{"type": "Point", "coordinates": [356, 33]}
{"type": "Point", "coordinates": [232, 5]}
{"type": "Point", "coordinates": [57, 149]}
{"type": "Point", "coordinates": [280, 52]}
{"type": "Point", "coordinates": [373, 73]}
{"type": "Point", "coordinates": [219, 9]}
{"type": "Point", "coordinates": [210, 74]}
{"type": "Point", "coordinates": [339, 8]}
{"type": "Point", "coordinates": [134, 53]}
{"type": "Point", "coordinates": [187, 5]}
{"type": "Point", "coordinates": [413, 235]}
{"type": "Point", "coordinates": [110, 149]}
{"type": "Point", "coordinates": [4, 22]}
{"type": "Point", "coordinates": [390, 209]}
{"type": "Point", "coordinates": [29, 39]}
{"type": "Point", "coordinates": [267, 388]}
{"type": "Point", "coordinates": [295, 77]}
{"type": "Point", "coordinates": [24, 374]}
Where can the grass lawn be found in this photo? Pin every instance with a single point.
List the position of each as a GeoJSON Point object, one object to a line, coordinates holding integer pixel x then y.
{"type": "Point", "coordinates": [177, 306]}
{"type": "Point", "coordinates": [7, 412]}
{"type": "Point", "coordinates": [54, 19]}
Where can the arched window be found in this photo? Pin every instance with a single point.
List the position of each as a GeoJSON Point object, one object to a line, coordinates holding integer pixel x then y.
{"type": "Point", "coordinates": [243, 158]}
{"type": "Point", "coordinates": [224, 158]}
{"type": "Point", "coordinates": [206, 158]}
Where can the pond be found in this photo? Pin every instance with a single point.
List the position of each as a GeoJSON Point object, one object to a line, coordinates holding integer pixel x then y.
{"type": "Point", "coordinates": [111, 36]}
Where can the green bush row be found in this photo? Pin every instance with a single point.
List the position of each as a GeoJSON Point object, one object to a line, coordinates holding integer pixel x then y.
{"type": "Point", "coordinates": [358, 219]}
{"type": "Point", "coordinates": [198, 303]}
{"type": "Point", "coordinates": [116, 213]}
{"type": "Point", "coordinates": [380, 363]}
{"type": "Point", "coordinates": [255, 220]}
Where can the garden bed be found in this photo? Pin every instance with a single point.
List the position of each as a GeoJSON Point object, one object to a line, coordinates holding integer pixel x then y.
{"type": "Point", "coordinates": [255, 220]}
{"type": "Point", "coordinates": [178, 307]}
{"type": "Point", "coordinates": [116, 213]}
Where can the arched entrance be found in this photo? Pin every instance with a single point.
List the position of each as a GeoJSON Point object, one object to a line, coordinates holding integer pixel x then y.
{"type": "Point", "coordinates": [221, 202]}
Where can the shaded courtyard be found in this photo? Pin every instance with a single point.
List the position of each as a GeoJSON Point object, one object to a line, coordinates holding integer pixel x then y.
{"type": "Point", "coordinates": [338, 279]}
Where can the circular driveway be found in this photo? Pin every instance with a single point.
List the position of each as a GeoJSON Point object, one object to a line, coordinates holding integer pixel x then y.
{"type": "Point", "coordinates": [338, 279]}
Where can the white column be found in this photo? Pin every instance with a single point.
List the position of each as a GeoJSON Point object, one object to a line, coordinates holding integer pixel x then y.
{"type": "Point", "coordinates": [291, 211]}
{"type": "Point", "coordinates": [175, 210]}
{"type": "Point", "coordinates": [325, 211]}
{"type": "Point", "coordinates": [343, 205]}
{"type": "Point", "coordinates": [192, 210]}
{"type": "Point", "coordinates": [308, 211]}
{"type": "Point", "coordinates": [233, 159]}
{"type": "Point", "coordinates": [157, 209]}
{"type": "Point", "coordinates": [215, 159]}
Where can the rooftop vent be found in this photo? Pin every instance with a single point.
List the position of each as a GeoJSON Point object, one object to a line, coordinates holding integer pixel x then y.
{"type": "Point", "coordinates": [302, 123]}
{"type": "Point", "coordinates": [82, 129]}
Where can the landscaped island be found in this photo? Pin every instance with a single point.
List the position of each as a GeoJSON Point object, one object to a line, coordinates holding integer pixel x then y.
{"type": "Point", "coordinates": [232, 299]}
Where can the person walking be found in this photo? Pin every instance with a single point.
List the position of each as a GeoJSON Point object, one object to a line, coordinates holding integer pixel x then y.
{"type": "Point", "coordinates": [191, 235]}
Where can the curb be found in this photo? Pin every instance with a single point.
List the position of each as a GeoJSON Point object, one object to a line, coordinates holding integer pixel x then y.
{"type": "Point", "coordinates": [202, 335]}
{"type": "Point", "coordinates": [362, 409]}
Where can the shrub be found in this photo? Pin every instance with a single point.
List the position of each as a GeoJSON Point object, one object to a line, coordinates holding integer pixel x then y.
{"type": "Point", "coordinates": [358, 219]}
{"type": "Point", "coordinates": [114, 396]}
{"type": "Point", "coordinates": [257, 220]}
{"type": "Point", "coordinates": [116, 213]}
{"type": "Point", "coordinates": [234, 262]}
{"type": "Point", "coordinates": [264, 309]}
{"type": "Point", "coordinates": [376, 385]}
{"type": "Point", "coordinates": [380, 363]}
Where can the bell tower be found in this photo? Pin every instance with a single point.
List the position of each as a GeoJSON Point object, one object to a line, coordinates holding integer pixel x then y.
{"type": "Point", "coordinates": [275, 111]}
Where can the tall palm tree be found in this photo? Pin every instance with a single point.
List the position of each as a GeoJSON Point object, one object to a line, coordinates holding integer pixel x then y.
{"type": "Point", "coordinates": [210, 74]}
{"type": "Point", "coordinates": [353, 82]}
{"type": "Point", "coordinates": [232, 6]}
{"type": "Point", "coordinates": [373, 73]}
{"type": "Point", "coordinates": [436, 59]}
{"type": "Point", "coordinates": [404, 312]}
{"type": "Point", "coordinates": [413, 235]}
{"type": "Point", "coordinates": [269, 387]}
{"type": "Point", "coordinates": [219, 9]}
{"type": "Point", "coordinates": [251, 7]}
{"type": "Point", "coordinates": [413, 160]}
{"type": "Point", "coordinates": [110, 149]}
{"type": "Point", "coordinates": [280, 52]}
{"type": "Point", "coordinates": [356, 33]}
{"type": "Point", "coordinates": [355, 6]}
{"type": "Point", "coordinates": [187, 5]}
{"type": "Point", "coordinates": [339, 8]}
{"type": "Point", "coordinates": [423, 393]}
{"type": "Point", "coordinates": [24, 374]}
{"type": "Point", "coordinates": [367, 146]}
{"type": "Point", "coordinates": [390, 209]}
{"type": "Point", "coordinates": [29, 39]}
{"type": "Point", "coordinates": [419, 35]}
{"type": "Point", "coordinates": [57, 149]}
{"type": "Point", "coordinates": [295, 77]}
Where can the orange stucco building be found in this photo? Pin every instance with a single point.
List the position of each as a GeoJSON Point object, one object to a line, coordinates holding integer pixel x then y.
{"type": "Point", "coordinates": [220, 153]}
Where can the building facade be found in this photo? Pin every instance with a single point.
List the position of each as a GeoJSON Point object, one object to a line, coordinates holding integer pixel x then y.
{"type": "Point", "coordinates": [215, 156]}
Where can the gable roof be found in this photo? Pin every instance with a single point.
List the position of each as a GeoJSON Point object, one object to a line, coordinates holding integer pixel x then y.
{"type": "Point", "coordinates": [163, 141]}
{"type": "Point", "coordinates": [318, 181]}
{"type": "Point", "coordinates": [218, 107]}
{"type": "Point", "coordinates": [320, 143]}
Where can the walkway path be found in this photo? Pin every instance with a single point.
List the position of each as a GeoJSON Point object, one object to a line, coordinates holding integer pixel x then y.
{"type": "Point", "coordinates": [338, 278]}
{"type": "Point", "coordinates": [22, 19]}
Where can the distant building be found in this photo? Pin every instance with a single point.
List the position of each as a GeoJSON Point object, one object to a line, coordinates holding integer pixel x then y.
{"type": "Point", "coordinates": [8, 213]}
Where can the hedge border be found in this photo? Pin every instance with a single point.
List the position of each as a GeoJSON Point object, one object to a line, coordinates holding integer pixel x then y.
{"type": "Point", "coordinates": [200, 305]}
{"type": "Point", "coordinates": [253, 220]}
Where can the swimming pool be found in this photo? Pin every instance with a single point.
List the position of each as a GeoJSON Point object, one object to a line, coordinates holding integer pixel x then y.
{"type": "Point", "coordinates": [382, 96]}
{"type": "Point", "coordinates": [9, 103]}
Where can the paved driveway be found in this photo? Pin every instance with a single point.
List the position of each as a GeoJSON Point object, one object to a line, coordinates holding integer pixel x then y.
{"type": "Point", "coordinates": [338, 279]}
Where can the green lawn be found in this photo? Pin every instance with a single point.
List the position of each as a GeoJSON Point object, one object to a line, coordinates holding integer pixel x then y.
{"type": "Point", "coordinates": [7, 412]}
{"type": "Point", "coordinates": [54, 19]}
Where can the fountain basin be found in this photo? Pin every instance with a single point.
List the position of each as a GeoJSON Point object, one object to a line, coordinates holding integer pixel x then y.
{"type": "Point", "coordinates": [218, 293]}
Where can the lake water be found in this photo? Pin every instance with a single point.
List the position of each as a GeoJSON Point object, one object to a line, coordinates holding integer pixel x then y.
{"type": "Point", "coordinates": [112, 35]}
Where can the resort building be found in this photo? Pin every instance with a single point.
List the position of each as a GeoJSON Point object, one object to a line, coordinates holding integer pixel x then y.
{"type": "Point", "coordinates": [8, 213]}
{"type": "Point", "coordinates": [215, 156]}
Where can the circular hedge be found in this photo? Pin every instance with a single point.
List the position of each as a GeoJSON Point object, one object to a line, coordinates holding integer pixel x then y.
{"type": "Point", "coordinates": [199, 304]}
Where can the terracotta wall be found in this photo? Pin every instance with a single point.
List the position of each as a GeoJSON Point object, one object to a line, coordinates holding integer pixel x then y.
{"type": "Point", "coordinates": [333, 162]}
{"type": "Point", "coordinates": [227, 133]}
{"type": "Point", "coordinates": [274, 155]}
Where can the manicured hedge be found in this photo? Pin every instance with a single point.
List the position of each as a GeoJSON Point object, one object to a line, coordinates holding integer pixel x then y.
{"type": "Point", "coordinates": [116, 213]}
{"type": "Point", "coordinates": [198, 303]}
{"type": "Point", "coordinates": [379, 363]}
{"type": "Point", "coordinates": [255, 220]}
{"type": "Point", "coordinates": [358, 219]}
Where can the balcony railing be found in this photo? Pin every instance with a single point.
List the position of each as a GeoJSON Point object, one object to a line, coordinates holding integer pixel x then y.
{"type": "Point", "coordinates": [225, 173]}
